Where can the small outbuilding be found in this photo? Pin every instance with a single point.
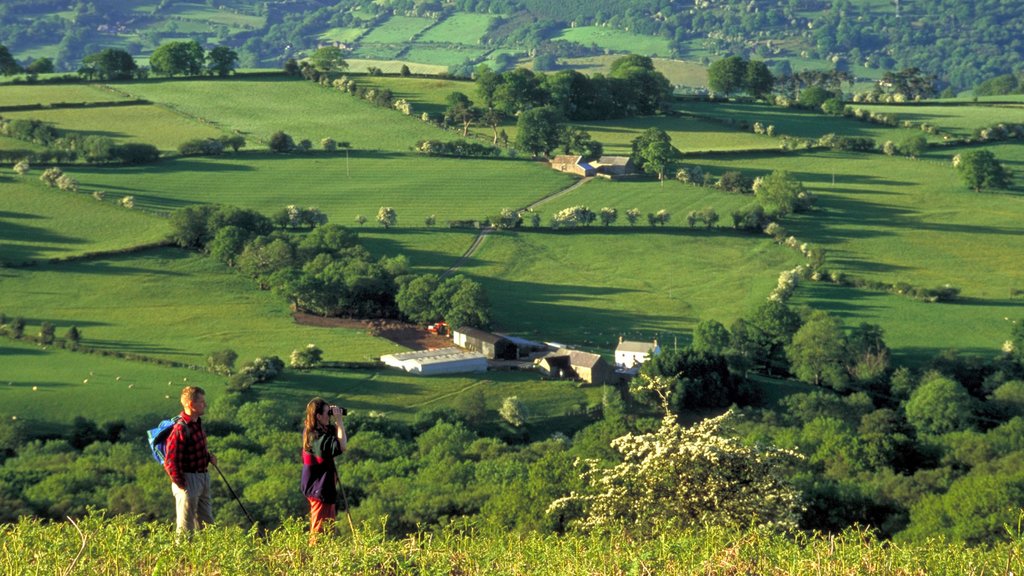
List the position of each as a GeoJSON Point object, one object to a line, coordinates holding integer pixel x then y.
{"type": "Point", "coordinates": [630, 353]}
{"type": "Point", "coordinates": [440, 361]}
{"type": "Point", "coordinates": [614, 165]}
{"type": "Point", "coordinates": [490, 345]}
{"type": "Point", "coordinates": [572, 165]}
{"type": "Point", "coordinates": [565, 363]}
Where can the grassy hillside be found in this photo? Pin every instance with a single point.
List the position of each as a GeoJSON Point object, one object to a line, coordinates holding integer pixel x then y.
{"type": "Point", "coordinates": [120, 545]}
{"type": "Point", "coordinates": [342, 185]}
{"type": "Point", "coordinates": [171, 304]}
{"type": "Point", "coordinates": [38, 223]}
{"type": "Point", "coordinates": [258, 108]}
{"type": "Point", "coordinates": [590, 286]}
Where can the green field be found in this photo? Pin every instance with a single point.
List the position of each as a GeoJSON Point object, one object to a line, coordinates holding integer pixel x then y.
{"type": "Point", "coordinates": [442, 56]}
{"type": "Point", "coordinates": [39, 223]}
{"type": "Point", "coordinates": [204, 15]}
{"type": "Point", "coordinates": [459, 28]}
{"type": "Point", "coordinates": [417, 186]}
{"type": "Point", "coordinates": [341, 34]}
{"type": "Point", "coordinates": [397, 30]}
{"type": "Point", "coordinates": [961, 120]}
{"type": "Point", "coordinates": [400, 395]}
{"type": "Point", "coordinates": [149, 124]}
{"type": "Point", "coordinates": [616, 40]}
{"type": "Point", "coordinates": [367, 51]}
{"type": "Point", "coordinates": [285, 104]}
{"type": "Point", "coordinates": [46, 94]}
{"type": "Point", "coordinates": [795, 122]}
{"type": "Point", "coordinates": [688, 134]}
{"type": "Point", "coordinates": [102, 389]}
{"type": "Point", "coordinates": [393, 66]}
{"type": "Point", "coordinates": [169, 303]}
{"type": "Point", "coordinates": [587, 287]}
{"type": "Point", "coordinates": [425, 94]}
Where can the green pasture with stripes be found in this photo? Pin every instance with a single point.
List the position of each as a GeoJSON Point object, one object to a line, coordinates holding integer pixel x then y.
{"type": "Point", "coordinates": [171, 304]}
{"type": "Point", "coordinates": [461, 28]}
{"type": "Point", "coordinates": [616, 40]}
{"type": "Point", "coordinates": [442, 55]}
{"type": "Point", "coordinates": [688, 134]}
{"type": "Point", "coordinates": [259, 107]}
{"type": "Point", "coordinates": [48, 94]}
{"type": "Point", "coordinates": [586, 287]}
{"type": "Point", "coordinates": [342, 185]}
{"type": "Point", "coordinates": [962, 119]}
{"type": "Point", "coordinates": [397, 30]}
{"type": "Point", "coordinates": [40, 223]}
{"type": "Point", "coordinates": [144, 123]}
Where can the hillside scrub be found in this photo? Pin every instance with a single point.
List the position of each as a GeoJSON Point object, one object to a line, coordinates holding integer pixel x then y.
{"type": "Point", "coordinates": [99, 544]}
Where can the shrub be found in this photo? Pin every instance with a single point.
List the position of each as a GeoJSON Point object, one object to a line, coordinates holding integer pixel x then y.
{"type": "Point", "coordinates": [201, 147]}
{"type": "Point", "coordinates": [281, 142]}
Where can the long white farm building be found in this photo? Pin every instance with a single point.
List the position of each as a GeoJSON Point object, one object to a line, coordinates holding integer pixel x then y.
{"type": "Point", "coordinates": [440, 361]}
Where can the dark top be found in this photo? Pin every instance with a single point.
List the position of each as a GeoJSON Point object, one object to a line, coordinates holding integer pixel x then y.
{"type": "Point", "coordinates": [318, 471]}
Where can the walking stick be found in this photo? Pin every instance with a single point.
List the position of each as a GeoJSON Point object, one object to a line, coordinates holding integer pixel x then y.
{"type": "Point", "coordinates": [237, 499]}
{"type": "Point", "coordinates": [344, 497]}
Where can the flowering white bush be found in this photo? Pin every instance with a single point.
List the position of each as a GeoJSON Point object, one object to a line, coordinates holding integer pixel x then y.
{"type": "Point", "coordinates": [128, 201]}
{"type": "Point", "coordinates": [308, 357]}
{"type": "Point", "coordinates": [21, 168]}
{"type": "Point", "coordinates": [677, 477]}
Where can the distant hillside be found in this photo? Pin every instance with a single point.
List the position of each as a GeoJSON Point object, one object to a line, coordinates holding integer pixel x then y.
{"type": "Point", "coordinates": [961, 42]}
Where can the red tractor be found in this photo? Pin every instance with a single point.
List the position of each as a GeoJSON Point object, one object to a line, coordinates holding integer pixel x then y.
{"type": "Point", "coordinates": [439, 328]}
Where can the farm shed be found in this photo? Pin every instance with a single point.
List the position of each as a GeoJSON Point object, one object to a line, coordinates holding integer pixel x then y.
{"type": "Point", "coordinates": [440, 361]}
{"type": "Point", "coordinates": [630, 353]}
{"type": "Point", "coordinates": [614, 165]}
{"type": "Point", "coordinates": [572, 165]}
{"type": "Point", "coordinates": [565, 363]}
{"type": "Point", "coordinates": [491, 345]}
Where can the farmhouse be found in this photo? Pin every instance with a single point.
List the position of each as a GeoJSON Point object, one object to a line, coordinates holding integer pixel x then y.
{"type": "Point", "coordinates": [612, 166]}
{"type": "Point", "coordinates": [630, 353]}
{"type": "Point", "coordinates": [572, 165]}
{"type": "Point", "coordinates": [490, 345]}
{"type": "Point", "coordinates": [440, 361]}
{"type": "Point", "coordinates": [565, 363]}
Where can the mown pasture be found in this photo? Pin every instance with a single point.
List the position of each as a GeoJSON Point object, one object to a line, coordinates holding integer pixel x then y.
{"type": "Point", "coordinates": [688, 135]}
{"type": "Point", "coordinates": [393, 66]}
{"type": "Point", "coordinates": [961, 119]}
{"type": "Point", "coordinates": [442, 55]}
{"type": "Point", "coordinates": [171, 304]}
{"type": "Point", "coordinates": [342, 185]}
{"type": "Point", "coordinates": [397, 30]}
{"type": "Point", "coordinates": [40, 223]}
{"type": "Point", "coordinates": [460, 28]}
{"type": "Point", "coordinates": [616, 40]}
{"type": "Point", "coordinates": [206, 16]}
{"type": "Point", "coordinates": [259, 107]}
{"type": "Point", "coordinates": [795, 122]}
{"type": "Point", "coordinates": [144, 123]}
{"type": "Point", "coordinates": [366, 51]}
{"type": "Point", "coordinates": [339, 34]}
{"type": "Point", "coordinates": [425, 94]}
{"type": "Point", "coordinates": [588, 286]}
{"type": "Point", "coordinates": [100, 388]}
{"type": "Point", "coordinates": [903, 220]}
{"type": "Point", "coordinates": [48, 94]}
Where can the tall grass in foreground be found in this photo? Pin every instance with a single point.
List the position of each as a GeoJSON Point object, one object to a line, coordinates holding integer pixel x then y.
{"type": "Point", "coordinates": [122, 545]}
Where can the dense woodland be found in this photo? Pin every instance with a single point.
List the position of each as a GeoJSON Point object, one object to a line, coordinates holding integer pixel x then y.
{"type": "Point", "coordinates": [961, 43]}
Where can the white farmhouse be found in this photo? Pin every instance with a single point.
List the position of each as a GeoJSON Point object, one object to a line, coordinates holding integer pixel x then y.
{"type": "Point", "coordinates": [630, 354]}
{"type": "Point", "coordinates": [440, 361]}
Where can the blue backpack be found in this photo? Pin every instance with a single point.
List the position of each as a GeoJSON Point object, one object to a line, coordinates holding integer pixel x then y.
{"type": "Point", "coordinates": [157, 437]}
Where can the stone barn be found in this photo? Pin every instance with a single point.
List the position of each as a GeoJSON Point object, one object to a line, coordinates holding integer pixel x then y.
{"type": "Point", "coordinates": [492, 346]}
{"type": "Point", "coordinates": [565, 363]}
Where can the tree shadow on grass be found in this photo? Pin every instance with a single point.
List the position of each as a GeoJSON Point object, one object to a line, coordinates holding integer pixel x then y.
{"type": "Point", "coordinates": [141, 348]}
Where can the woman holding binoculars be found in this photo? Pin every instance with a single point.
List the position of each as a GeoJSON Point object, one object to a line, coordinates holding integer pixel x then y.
{"type": "Point", "coordinates": [322, 441]}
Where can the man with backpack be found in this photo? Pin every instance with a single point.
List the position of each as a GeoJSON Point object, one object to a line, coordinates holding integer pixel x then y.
{"type": "Point", "coordinates": [187, 460]}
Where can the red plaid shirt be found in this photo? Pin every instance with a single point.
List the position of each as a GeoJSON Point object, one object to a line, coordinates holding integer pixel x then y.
{"type": "Point", "coordinates": [186, 452]}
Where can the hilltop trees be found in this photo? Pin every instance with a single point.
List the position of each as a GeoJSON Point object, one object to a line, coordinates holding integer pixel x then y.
{"type": "Point", "coordinates": [221, 61]}
{"type": "Point", "coordinates": [980, 170]}
{"type": "Point", "coordinates": [109, 64]}
{"type": "Point", "coordinates": [178, 58]}
{"type": "Point", "coordinates": [734, 74]}
{"type": "Point", "coordinates": [8, 65]}
{"type": "Point", "coordinates": [328, 59]}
